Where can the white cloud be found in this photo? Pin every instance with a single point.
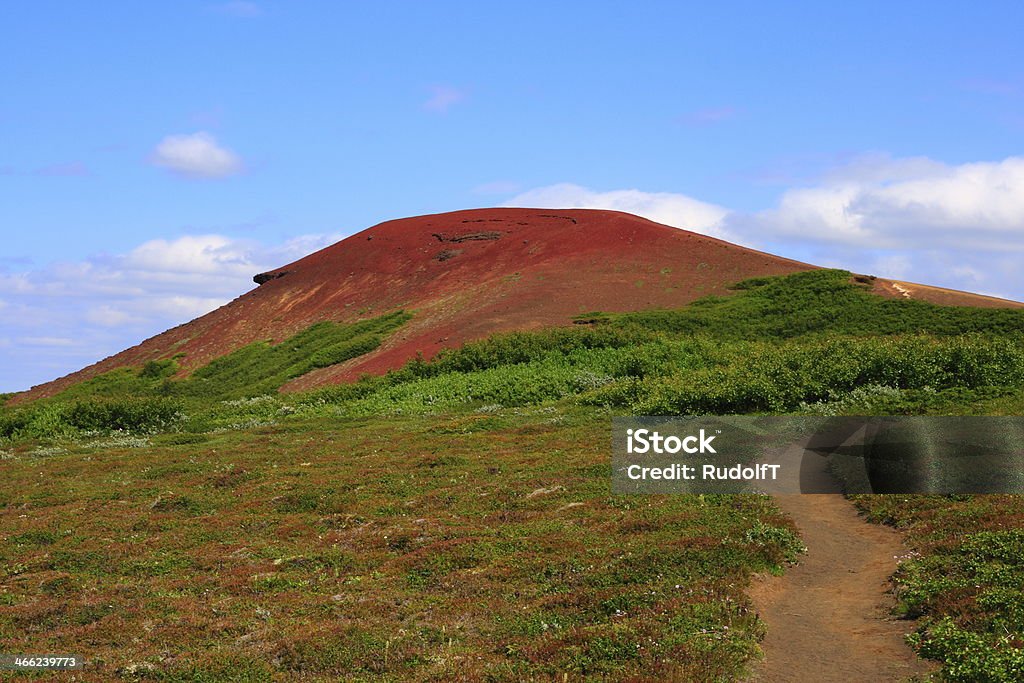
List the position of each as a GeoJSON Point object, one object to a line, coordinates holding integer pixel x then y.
{"type": "Point", "coordinates": [107, 316]}
{"type": "Point", "coordinates": [66, 315]}
{"type": "Point", "coordinates": [15, 283]}
{"type": "Point", "coordinates": [443, 98]}
{"type": "Point", "coordinates": [877, 202]}
{"type": "Point", "coordinates": [46, 341]}
{"type": "Point", "coordinates": [196, 156]}
{"type": "Point", "coordinates": [958, 226]}
{"type": "Point", "coordinates": [192, 254]}
{"type": "Point", "coordinates": [183, 307]}
{"type": "Point", "coordinates": [894, 266]}
{"type": "Point", "coordinates": [917, 219]}
{"type": "Point", "coordinates": [213, 268]}
{"type": "Point", "coordinates": [669, 208]}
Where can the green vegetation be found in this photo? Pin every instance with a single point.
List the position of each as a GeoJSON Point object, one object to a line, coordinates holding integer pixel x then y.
{"type": "Point", "coordinates": [148, 400]}
{"type": "Point", "coordinates": [822, 302]}
{"type": "Point", "coordinates": [402, 526]}
{"type": "Point", "coordinates": [703, 359]}
{"type": "Point", "coordinates": [964, 577]}
{"type": "Point", "coordinates": [261, 368]}
{"type": "Point", "coordinates": [474, 546]}
{"type": "Point", "coordinates": [796, 343]}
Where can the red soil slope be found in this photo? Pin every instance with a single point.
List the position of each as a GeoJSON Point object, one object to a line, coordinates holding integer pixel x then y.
{"type": "Point", "coordinates": [466, 275]}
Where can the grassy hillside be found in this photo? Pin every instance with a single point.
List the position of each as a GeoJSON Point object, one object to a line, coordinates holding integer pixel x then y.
{"type": "Point", "coordinates": [823, 302]}
{"type": "Point", "coordinates": [799, 343]}
{"type": "Point", "coordinates": [151, 400]}
{"type": "Point", "coordinates": [409, 525]}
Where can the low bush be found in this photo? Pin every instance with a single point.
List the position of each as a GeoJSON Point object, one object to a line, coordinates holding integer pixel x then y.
{"type": "Point", "coordinates": [126, 415]}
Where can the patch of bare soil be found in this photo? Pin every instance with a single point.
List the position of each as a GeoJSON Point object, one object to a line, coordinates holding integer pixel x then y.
{"type": "Point", "coordinates": [829, 617]}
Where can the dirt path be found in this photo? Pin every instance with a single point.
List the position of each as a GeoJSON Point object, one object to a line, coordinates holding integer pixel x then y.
{"type": "Point", "coordinates": [827, 617]}
{"type": "Point", "coordinates": [902, 290]}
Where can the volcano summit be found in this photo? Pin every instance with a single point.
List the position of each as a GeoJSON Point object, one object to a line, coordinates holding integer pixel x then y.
{"type": "Point", "coordinates": [468, 274]}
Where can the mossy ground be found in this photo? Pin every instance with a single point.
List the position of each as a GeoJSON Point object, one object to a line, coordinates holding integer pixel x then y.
{"type": "Point", "coordinates": [464, 546]}
{"type": "Point", "coordinates": [453, 518]}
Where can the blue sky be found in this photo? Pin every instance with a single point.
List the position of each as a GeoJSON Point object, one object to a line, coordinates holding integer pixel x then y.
{"type": "Point", "coordinates": [153, 155]}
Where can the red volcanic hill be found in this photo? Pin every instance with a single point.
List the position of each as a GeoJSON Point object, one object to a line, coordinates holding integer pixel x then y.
{"type": "Point", "coordinates": [468, 274]}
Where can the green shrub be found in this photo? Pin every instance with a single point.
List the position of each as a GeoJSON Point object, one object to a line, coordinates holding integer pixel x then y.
{"type": "Point", "coordinates": [813, 341]}
{"type": "Point", "coordinates": [343, 351]}
{"type": "Point", "coordinates": [759, 377]}
{"type": "Point", "coordinates": [158, 369]}
{"type": "Point", "coordinates": [12, 422]}
{"type": "Point", "coordinates": [779, 544]}
{"type": "Point", "coordinates": [821, 302]}
{"type": "Point", "coordinates": [129, 415]}
{"type": "Point", "coordinates": [971, 657]}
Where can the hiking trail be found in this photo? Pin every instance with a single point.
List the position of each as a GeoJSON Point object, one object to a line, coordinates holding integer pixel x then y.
{"type": "Point", "coordinates": [828, 617]}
